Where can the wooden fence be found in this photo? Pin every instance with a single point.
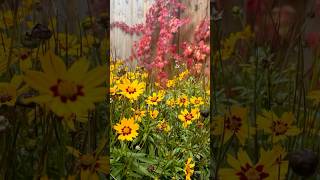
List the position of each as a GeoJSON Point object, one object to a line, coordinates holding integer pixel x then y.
{"type": "Point", "coordinates": [134, 11]}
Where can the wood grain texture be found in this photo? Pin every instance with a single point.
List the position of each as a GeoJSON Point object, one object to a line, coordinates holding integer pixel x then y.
{"type": "Point", "coordinates": [131, 12]}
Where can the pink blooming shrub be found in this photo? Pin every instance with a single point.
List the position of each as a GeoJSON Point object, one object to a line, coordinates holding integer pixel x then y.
{"type": "Point", "coordinates": [156, 48]}
{"type": "Point", "coordinates": [196, 53]}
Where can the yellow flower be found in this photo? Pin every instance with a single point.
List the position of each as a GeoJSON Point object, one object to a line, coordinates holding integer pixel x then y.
{"type": "Point", "coordinates": [170, 102]}
{"type": "Point", "coordinates": [233, 122]}
{"type": "Point", "coordinates": [170, 83]}
{"type": "Point", "coordinates": [154, 114]}
{"type": "Point", "coordinates": [265, 169]}
{"type": "Point", "coordinates": [127, 129]}
{"type": "Point", "coordinates": [67, 91]}
{"type": "Point", "coordinates": [196, 101]}
{"type": "Point", "coordinates": [155, 98]}
{"type": "Point", "coordinates": [163, 125]}
{"type": "Point", "coordinates": [183, 100]}
{"type": "Point", "coordinates": [188, 169]}
{"type": "Point", "coordinates": [131, 90]}
{"type": "Point", "coordinates": [183, 75]}
{"type": "Point", "coordinates": [278, 128]}
{"type": "Point", "coordinates": [24, 57]}
{"type": "Point", "coordinates": [230, 43]}
{"type": "Point", "coordinates": [10, 91]}
{"type": "Point", "coordinates": [138, 114]}
{"type": "Point", "coordinates": [92, 163]}
{"type": "Point", "coordinates": [187, 117]}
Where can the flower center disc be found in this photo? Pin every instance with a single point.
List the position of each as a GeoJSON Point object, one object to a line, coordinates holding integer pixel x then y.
{"type": "Point", "coordinates": [233, 123]}
{"type": "Point", "coordinates": [131, 90]}
{"type": "Point", "coordinates": [126, 130]}
{"type": "Point", "coordinates": [188, 117]}
{"type": "Point", "coordinates": [280, 127]}
{"type": "Point", "coordinates": [252, 174]}
{"type": "Point", "coordinates": [67, 90]}
{"type": "Point", "coordinates": [154, 99]}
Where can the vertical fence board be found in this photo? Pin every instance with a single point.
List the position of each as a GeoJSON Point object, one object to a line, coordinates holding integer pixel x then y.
{"type": "Point", "coordinates": [196, 11]}
{"type": "Point", "coordinates": [131, 12]}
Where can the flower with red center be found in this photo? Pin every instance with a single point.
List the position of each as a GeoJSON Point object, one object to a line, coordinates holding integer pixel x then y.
{"type": "Point", "coordinates": [196, 101]}
{"type": "Point", "coordinates": [67, 91]}
{"type": "Point", "coordinates": [187, 117]}
{"type": "Point", "coordinates": [155, 98]}
{"type": "Point", "coordinates": [188, 169]}
{"type": "Point", "coordinates": [278, 127]}
{"type": "Point", "coordinates": [10, 91]}
{"type": "Point", "coordinates": [127, 129]}
{"type": "Point", "coordinates": [233, 123]}
{"type": "Point", "coordinates": [90, 165]}
{"type": "Point", "coordinates": [242, 167]}
{"type": "Point", "coordinates": [183, 100]}
{"type": "Point", "coordinates": [131, 90]}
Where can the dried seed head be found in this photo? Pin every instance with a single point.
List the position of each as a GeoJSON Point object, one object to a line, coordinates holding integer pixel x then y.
{"type": "Point", "coordinates": [205, 112]}
{"type": "Point", "coordinates": [151, 168]}
{"type": "Point", "coordinates": [303, 162]}
{"type": "Point", "coordinates": [41, 32]}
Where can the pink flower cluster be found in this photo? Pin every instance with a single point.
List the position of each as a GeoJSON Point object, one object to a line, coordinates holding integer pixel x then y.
{"type": "Point", "coordinates": [162, 22]}
{"type": "Point", "coordinates": [195, 52]}
{"type": "Point", "coordinates": [135, 29]}
{"type": "Point", "coordinates": [202, 32]}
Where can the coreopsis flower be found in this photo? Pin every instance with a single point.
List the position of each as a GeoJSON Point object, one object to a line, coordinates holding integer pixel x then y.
{"type": "Point", "coordinates": [233, 123]}
{"type": "Point", "coordinates": [131, 90]}
{"type": "Point", "coordinates": [170, 102]}
{"type": "Point", "coordinates": [24, 57]}
{"type": "Point", "coordinates": [9, 91]}
{"type": "Point", "coordinates": [155, 98]}
{"type": "Point", "coordinates": [170, 83]}
{"type": "Point", "coordinates": [187, 117]}
{"type": "Point", "coordinates": [67, 91]}
{"type": "Point", "coordinates": [163, 125]}
{"type": "Point", "coordinates": [230, 42]}
{"type": "Point", "coordinates": [138, 114]}
{"type": "Point", "coordinates": [278, 127]}
{"type": "Point", "coordinates": [91, 164]}
{"type": "Point", "coordinates": [183, 101]}
{"type": "Point", "coordinates": [183, 75]}
{"type": "Point", "coordinates": [126, 129]}
{"type": "Point", "coordinates": [242, 167]}
{"type": "Point", "coordinates": [154, 114]}
{"type": "Point", "coordinates": [196, 101]}
{"type": "Point", "coordinates": [188, 169]}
